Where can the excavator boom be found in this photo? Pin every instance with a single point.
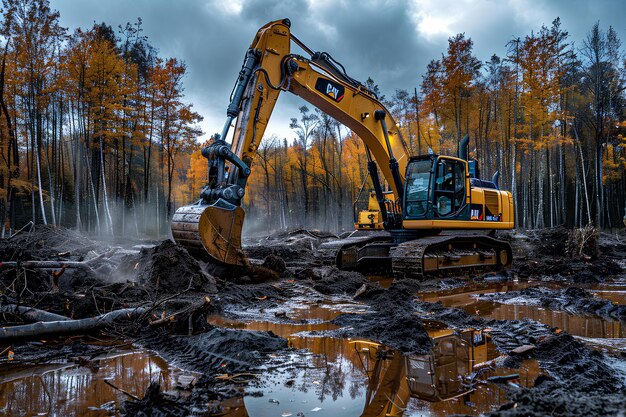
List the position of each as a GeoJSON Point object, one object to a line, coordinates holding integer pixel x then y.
{"type": "Point", "coordinates": [213, 225]}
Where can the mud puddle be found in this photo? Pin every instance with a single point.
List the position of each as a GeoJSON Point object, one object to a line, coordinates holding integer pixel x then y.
{"type": "Point", "coordinates": [322, 376]}
{"type": "Point", "coordinates": [587, 326]}
{"type": "Point", "coordinates": [614, 292]}
{"type": "Point", "coordinates": [328, 376]}
{"type": "Point", "coordinates": [364, 378]}
{"type": "Point", "coordinates": [73, 390]}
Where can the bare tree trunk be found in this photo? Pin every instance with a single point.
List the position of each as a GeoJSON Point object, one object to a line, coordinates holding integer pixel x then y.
{"type": "Point", "coordinates": [93, 190]}
{"type": "Point", "coordinates": [38, 164]}
{"type": "Point", "coordinates": [584, 179]}
{"type": "Point", "coordinates": [104, 189]}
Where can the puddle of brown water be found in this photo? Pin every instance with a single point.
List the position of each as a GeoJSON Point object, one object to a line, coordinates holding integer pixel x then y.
{"type": "Point", "coordinates": [342, 377]}
{"type": "Point", "coordinates": [614, 292]}
{"type": "Point", "coordinates": [584, 326]}
{"type": "Point", "coordinates": [463, 296]}
{"type": "Point", "coordinates": [324, 377]}
{"type": "Point", "coordinates": [369, 380]}
{"type": "Point", "coordinates": [384, 281]}
{"type": "Point", "coordinates": [71, 390]}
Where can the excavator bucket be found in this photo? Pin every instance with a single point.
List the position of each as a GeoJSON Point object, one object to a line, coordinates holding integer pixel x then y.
{"type": "Point", "coordinates": [213, 230]}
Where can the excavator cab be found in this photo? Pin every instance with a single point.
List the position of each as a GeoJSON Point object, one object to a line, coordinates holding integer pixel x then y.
{"type": "Point", "coordinates": [436, 187]}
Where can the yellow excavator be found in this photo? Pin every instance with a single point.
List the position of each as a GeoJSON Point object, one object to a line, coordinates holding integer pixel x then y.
{"type": "Point", "coordinates": [371, 218]}
{"type": "Point", "coordinates": [441, 217]}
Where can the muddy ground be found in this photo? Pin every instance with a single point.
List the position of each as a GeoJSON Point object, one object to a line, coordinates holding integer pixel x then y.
{"type": "Point", "coordinates": [226, 328]}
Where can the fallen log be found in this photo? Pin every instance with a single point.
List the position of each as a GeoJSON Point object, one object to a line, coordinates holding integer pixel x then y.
{"type": "Point", "coordinates": [55, 328]}
{"type": "Point", "coordinates": [45, 264]}
{"type": "Point", "coordinates": [31, 314]}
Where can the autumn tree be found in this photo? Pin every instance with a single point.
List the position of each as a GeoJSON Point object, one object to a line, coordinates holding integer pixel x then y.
{"type": "Point", "coordinates": [304, 129]}
{"type": "Point", "coordinates": [34, 32]}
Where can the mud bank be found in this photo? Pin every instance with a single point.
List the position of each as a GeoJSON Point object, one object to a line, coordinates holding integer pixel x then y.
{"type": "Point", "coordinates": [580, 383]}
{"type": "Point", "coordinates": [294, 320]}
{"type": "Point", "coordinates": [574, 255]}
{"type": "Point", "coordinates": [573, 300]}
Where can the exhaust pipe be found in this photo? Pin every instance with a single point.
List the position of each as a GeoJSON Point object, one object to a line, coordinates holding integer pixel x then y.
{"type": "Point", "coordinates": [463, 153]}
{"type": "Point", "coordinates": [495, 179]}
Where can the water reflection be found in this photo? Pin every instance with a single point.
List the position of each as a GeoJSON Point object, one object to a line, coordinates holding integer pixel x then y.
{"type": "Point", "coordinates": [70, 390]}
{"type": "Point", "coordinates": [323, 377]}
{"type": "Point", "coordinates": [578, 325]}
{"type": "Point", "coordinates": [377, 381]}
{"type": "Point", "coordinates": [440, 383]}
{"type": "Point", "coordinates": [466, 295]}
{"type": "Point", "coordinates": [585, 326]}
{"type": "Point", "coordinates": [614, 292]}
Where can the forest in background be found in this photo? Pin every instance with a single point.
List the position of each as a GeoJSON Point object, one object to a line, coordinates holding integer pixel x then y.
{"type": "Point", "coordinates": [95, 132]}
{"type": "Point", "coordinates": [94, 126]}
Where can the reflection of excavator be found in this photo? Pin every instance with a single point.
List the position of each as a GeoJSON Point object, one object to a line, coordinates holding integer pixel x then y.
{"type": "Point", "coordinates": [442, 375]}
{"type": "Point", "coordinates": [431, 193]}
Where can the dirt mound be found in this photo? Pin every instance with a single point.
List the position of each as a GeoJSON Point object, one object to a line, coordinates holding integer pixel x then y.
{"type": "Point", "coordinates": [400, 300]}
{"type": "Point", "coordinates": [613, 245]}
{"type": "Point", "coordinates": [393, 323]}
{"type": "Point", "coordinates": [167, 268]}
{"type": "Point", "coordinates": [573, 300]}
{"type": "Point", "coordinates": [581, 382]}
{"type": "Point", "coordinates": [399, 330]}
{"type": "Point", "coordinates": [575, 255]}
{"type": "Point", "coordinates": [253, 295]}
{"type": "Point", "coordinates": [45, 242]}
{"type": "Point", "coordinates": [294, 247]}
{"type": "Point", "coordinates": [506, 334]}
{"type": "Point", "coordinates": [275, 263]}
{"type": "Point", "coordinates": [40, 243]}
{"type": "Point", "coordinates": [52, 352]}
{"type": "Point", "coordinates": [565, 358]}
{"type": "Point", "coordinates": [218, 350]}
{"type": "Point", "coordinates": [549, 399]}
{"type": "Point", "coordinates": [401, 294]}
{"type": "Point", "coordinates": [15, 281]}
{"type": "Point", "coordinates": [336, 281]}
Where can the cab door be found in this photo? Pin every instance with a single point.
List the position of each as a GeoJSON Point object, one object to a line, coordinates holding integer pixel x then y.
{"type": "Point", "coordinates": [450, 188]}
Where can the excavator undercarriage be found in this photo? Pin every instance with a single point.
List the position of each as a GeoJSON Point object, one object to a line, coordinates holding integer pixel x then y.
{"type": "Point", "coordinates": [441, 255]}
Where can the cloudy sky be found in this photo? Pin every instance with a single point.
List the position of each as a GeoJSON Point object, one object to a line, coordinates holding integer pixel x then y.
{"type": "Point", "coordinates": [390, 41]}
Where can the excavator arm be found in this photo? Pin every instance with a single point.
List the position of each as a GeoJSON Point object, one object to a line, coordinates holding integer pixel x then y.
{"type": "Point", "coordinates": [213, 225]}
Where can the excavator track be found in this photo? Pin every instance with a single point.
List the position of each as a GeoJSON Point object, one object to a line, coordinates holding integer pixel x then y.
{"type": "Point", "coordinates": [425, 257]}
{"type": "Point", "coordinates": [449, 255]}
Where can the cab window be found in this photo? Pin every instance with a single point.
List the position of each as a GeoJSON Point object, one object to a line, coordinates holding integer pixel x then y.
{"type": "Point", "coordinates": [417, 188]}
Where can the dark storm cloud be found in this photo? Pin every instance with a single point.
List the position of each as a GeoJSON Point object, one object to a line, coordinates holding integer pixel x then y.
{"type": "Point", "coordinates": [390, 41]}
